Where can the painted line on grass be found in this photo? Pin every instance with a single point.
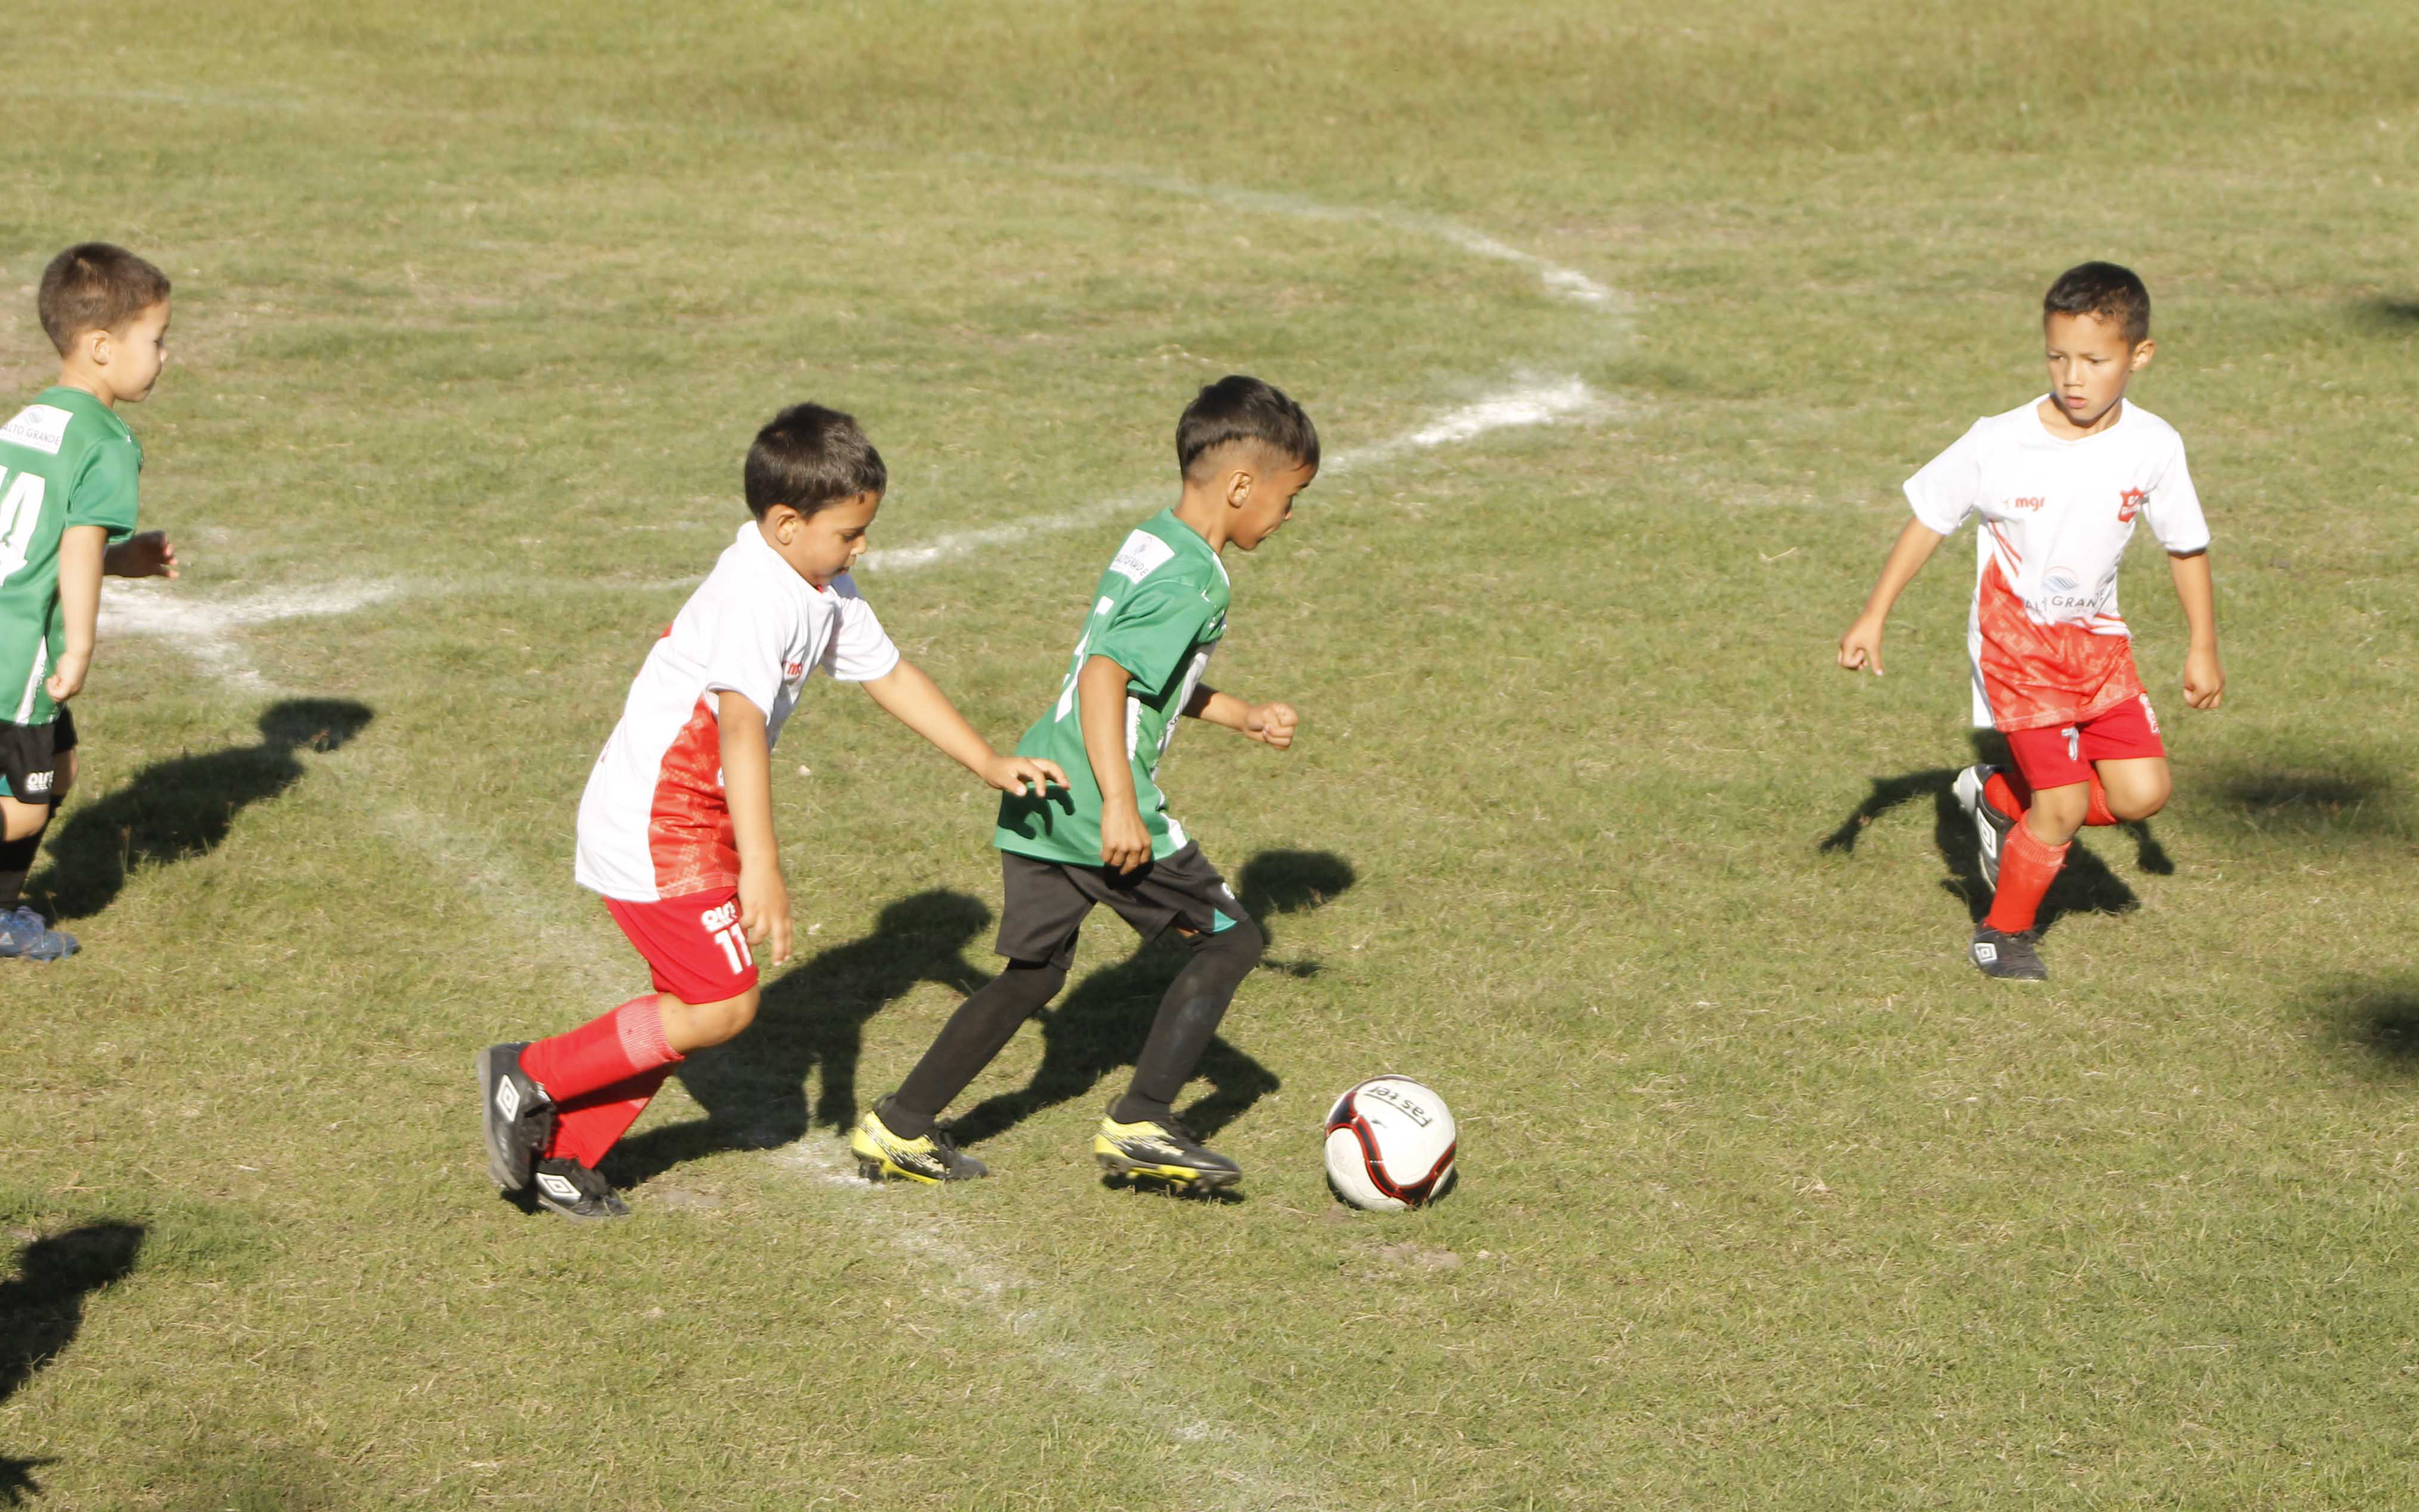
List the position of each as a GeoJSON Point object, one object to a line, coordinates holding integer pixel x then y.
{"type": "Point", "coordinates": [1539, 402]}
{"type": "Point", "coordinates": [1561, 282]}
{"type": "Point", "coordinates": [206, 629]}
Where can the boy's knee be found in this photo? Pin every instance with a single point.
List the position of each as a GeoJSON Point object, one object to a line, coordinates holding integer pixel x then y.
{"type": "Point", "coordinates": [711, 1023]}
{"type": "Point", "coordinates": [1241, 944]}
{"type": "Point", "coordinates": [21, 821]}
{"type": "Point", "coordinates": [2140, 803]}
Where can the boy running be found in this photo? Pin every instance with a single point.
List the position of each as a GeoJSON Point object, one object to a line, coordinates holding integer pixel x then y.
{"type": "Point", "coordinates": [68, 472]}
{"type": "Point", "coordinates": [1245, 451]}
{"type": "Point", "coordinates": [2058, 484]}
{"type": "Point", "coordinates": [676, 825]}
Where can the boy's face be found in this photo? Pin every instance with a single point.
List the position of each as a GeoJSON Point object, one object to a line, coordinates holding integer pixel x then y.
{"type": "Point", "coordinates": [129, 357]}
{"type": "Point", "coordinates": [1267, 500]}
{"type": "Point", "coordinates": [822, 545]}
{"type": "Point", "coordinates": [2090, 361]}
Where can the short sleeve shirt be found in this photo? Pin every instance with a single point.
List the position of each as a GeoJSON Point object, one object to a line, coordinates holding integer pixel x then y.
{"type": "Point", "coordinates": [65, 460]}
{"type": "Point", "coordinates": [654, 822]}
{"type": "Point", "coordinates": [1159, 612]}
{"type": "Point", "coordinates": [2047, 643]}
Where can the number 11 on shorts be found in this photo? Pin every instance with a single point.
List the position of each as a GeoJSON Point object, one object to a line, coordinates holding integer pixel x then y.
{"type": "Point", "coordinates": [723, 924]}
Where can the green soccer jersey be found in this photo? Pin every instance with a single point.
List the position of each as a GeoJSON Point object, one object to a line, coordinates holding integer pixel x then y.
{"type": "Point", "coordinates": [1159, 612]}
{"type": "Point", "coordinates": [66, 459]}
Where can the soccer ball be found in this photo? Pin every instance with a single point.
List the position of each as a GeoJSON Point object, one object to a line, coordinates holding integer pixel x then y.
{"type": "Point", "coordinates": [1390, 1145]}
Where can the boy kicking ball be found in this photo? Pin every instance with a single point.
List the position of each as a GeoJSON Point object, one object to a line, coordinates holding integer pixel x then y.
{"type": "Point", "coordinates": [676, 826]}
{"type": "Point", "coordinates": [2059, 483]}
{"type": "Point", "coordinates": [1243, 450]}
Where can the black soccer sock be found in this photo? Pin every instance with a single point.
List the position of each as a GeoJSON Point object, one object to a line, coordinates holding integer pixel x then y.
{"type": "Point", "coordinates": [1188, 1017]}
{"type": "Point", "coordinates": [975, 1032]}
{"type": "Point", "coordinates": [16, 860]}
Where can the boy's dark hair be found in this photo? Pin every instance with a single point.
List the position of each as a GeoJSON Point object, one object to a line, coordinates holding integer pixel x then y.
{"type": "Point", "coordinates": [2104, 290]}
{"type": "Point", "coordinates": [94, 285]}
{"type": "Point", "coordinates": [1235, 408]}
{"type": "Point", "coordinates": [808, 457]}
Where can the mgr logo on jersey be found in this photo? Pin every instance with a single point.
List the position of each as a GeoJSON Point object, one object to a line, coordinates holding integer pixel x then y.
{"type": "Point", "coordinates": [2130, 504]}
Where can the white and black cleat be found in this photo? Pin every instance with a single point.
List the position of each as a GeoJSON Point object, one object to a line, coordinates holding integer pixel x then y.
{"type": "Point", "coordinates": [566, 1186]}
{"type": "Point", "coordinates": [1991, 827]}
{"type": "Point", "coordinates": [2009, 957]}
{"type": "Point", "coordinates": [516, 1114]}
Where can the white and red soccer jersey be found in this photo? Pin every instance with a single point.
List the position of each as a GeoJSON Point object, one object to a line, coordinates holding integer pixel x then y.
{"type": "Point", "coordinates": [2048, 644]}
{"type": "Point", "coordinates": [652, 823]}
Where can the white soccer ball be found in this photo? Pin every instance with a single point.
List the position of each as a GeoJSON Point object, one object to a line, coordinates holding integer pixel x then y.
{"type": "Point", "coordinates": [1390, 1145]}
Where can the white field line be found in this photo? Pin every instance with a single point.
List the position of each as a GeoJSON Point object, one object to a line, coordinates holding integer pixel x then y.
{"type": "Point", "coordinates": [1562, 282]}
{"type": "Point", "coordinates": [204, 629]}
{"type": "Point", "coordinates": [1537, 402]}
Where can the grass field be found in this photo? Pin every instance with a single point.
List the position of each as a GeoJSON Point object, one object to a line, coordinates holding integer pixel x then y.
{"type": "Point", "coordinates": [1627, 330]}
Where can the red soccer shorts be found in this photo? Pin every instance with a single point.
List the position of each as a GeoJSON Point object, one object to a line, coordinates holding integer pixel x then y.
{"type": "Point", "coordinates": [2061, 755]}
{"type": "Point", "coordinates": [693, 943]}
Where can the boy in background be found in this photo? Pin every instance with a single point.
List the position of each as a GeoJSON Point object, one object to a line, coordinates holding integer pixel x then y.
{"type": "Point", "coordinates": [676, 825]}
{"type": "Point", "coordinates": [1245, 451]}
{"type": "Point", "coordinates": [2059, 483]}
{"type": "Point", "coordinates": [69, 466]}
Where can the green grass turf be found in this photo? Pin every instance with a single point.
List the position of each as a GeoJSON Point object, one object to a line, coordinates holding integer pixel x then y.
{"type": "Point", "coordinates": [1769, 1199]}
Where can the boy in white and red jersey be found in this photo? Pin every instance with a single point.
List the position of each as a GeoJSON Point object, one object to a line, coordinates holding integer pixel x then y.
{"type": "Point", "coordinates": [2060, 484]}
{"type": "Point", "coordinates": [676, 826]}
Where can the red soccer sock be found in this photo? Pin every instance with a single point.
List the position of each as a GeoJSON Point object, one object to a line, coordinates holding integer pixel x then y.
{"type": "Point", "coordinates": [585, 1129]}
{"type": "Point", "coordinates": [2027, 867]}
{"type": "Point", "coordinates": [2098, 813]}
{"type": "Point", "coordinates": [605, 1050]}
{"type": "Point", "coordinates": [2008, 792]}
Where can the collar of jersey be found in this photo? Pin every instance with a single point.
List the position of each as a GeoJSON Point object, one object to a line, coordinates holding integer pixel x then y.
{"type": "Point", "coordinates": [772, 560]}
{"type": "Point", "coordinates": [2125, 418]}
{"type": "Point", "coordinates": [85, 405]}
{"type": "Point", "coordinates": [1195, 537]}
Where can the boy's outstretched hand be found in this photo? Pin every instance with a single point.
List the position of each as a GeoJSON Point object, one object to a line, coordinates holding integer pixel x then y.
{"type": "Point", "coordinates": [764, 910]}
{"type": "Point", "coordinates": [1271, 723]}
{"type": "Point", "coordinates": [1125, 843]}
{"type": "Point", "coordinates": [1026, 777]}
{"type": "Point", "coordinates": [1862, 646]}
{"type": "Point", "coordinates": [2204, 679]}
{"type": "Point", "coordinates": [151, 554]}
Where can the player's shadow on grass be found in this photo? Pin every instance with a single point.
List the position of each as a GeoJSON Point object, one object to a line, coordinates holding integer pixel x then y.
{"type": "Point", "coordinates": [2377, 1017]}
{"type": "Point", "coordinates": [41, 1309]}
{"type": "Point", "coordinates": [2296, 801]}
{"type": "Point", "coordinates": [1098, 1026]}
{"type": "Point", "coordinates": [2086, 885]}
{"type": "Point", "coordinates": [174, 809]}
{"type": "Point", "coordinates": [2389, 317]}
{"type": "Point", "coordinates": [754, 1089]}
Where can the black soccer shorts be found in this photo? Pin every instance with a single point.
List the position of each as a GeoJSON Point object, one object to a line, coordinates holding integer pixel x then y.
{"type": "Point", "coordinates": [30, 759]}
{"type": "Point", "coordinates": [1044, 902]}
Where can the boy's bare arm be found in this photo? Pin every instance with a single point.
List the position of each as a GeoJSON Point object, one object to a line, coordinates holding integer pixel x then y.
{"type": "Point", "coordinates": [1100, 702]}
{"type": "Point", "coordinates": [907, 695]}
{"type": "Point", "coordinates": [150, 554]}
{"type": "Point", "coordinates": [748, 788]}
{"type": "Point", "coordinates": [1862, 645]}
{"type": "Point", "coordinates": [1271, 723]}
{"type": "Point", "coordinates": [81, 548]}
{"type": "Point", "coordinates": [2204, 676]}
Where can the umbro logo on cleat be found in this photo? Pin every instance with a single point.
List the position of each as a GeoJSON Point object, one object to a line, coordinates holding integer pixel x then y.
{"type": "Point", "coordinates": [558, 1186]}
{"type": "Point", "coordinates": [1985, 952]}
{"type": "Point", "coordinates": [508, 1098]}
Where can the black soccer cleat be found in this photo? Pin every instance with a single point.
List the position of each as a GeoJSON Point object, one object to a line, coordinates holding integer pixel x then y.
{"type": "Point", "coordinates": [516, 1113]}
{"type": "Point", "coordinates": [2009, 957]}
{"type": "Point", "coordinates": [564, 1185]}
{"type": "Point", "coordinates": [1991, 827]}
{"type": "Point", "coordinates": [1164, 1149]}
{"type": "Point", "coordinates": [930, 1158]}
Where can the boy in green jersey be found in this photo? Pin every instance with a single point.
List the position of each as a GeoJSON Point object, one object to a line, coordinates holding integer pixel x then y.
{"type": "Point", "coordinates": [67, 470]}
{"type": "Point", "coordinates": [1245, 450]}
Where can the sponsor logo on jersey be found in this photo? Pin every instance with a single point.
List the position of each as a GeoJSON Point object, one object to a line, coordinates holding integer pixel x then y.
{"type": "Point", "coordinates": [40, 427]}
{"type": "Point", "coordinates": [792, 671]}
{"type": "Point", "coordinates": [1142, 555]}
{"type": "Point", "coordinates": [2060, 590]}
{"type": "Point", "coordinates": [2026, 503]}
{"type": "Point", "coordinates": [2129, 504]}
{"type": "Point", "coordinates": [719, 918]}
{"type": "Point", "coordinates": [37, 782]}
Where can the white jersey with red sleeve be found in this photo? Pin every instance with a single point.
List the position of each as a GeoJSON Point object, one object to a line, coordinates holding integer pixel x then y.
{"type": "Point", "coordinates": [652, 823]}
{"type": "Point", "coordinates": [2048, 644]}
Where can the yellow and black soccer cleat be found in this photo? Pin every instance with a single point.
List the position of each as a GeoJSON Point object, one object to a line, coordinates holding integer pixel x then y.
{"type": "Point", "coordinates": [932, 1158]}
{"type": "Point", "coordinates": [1162, 1149]}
